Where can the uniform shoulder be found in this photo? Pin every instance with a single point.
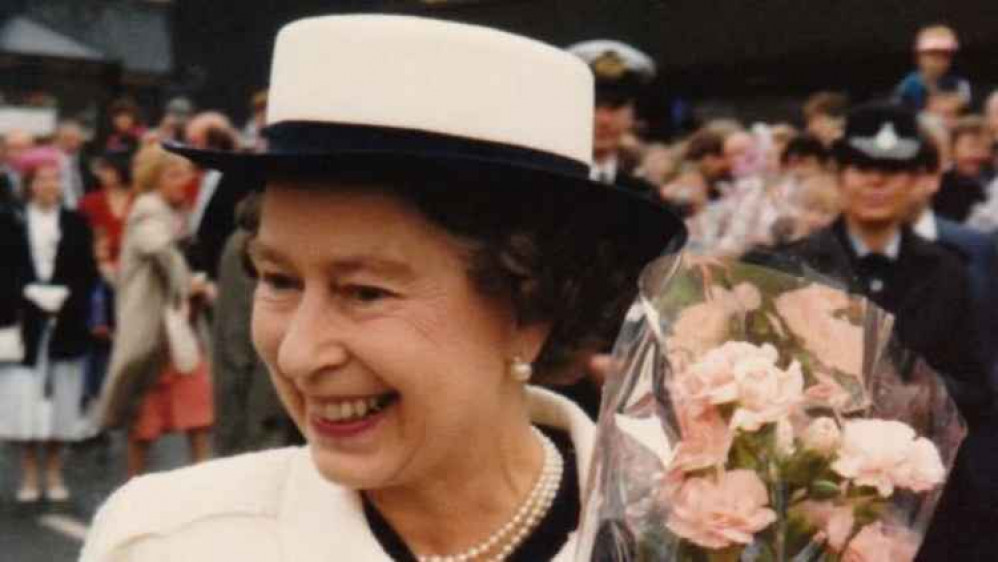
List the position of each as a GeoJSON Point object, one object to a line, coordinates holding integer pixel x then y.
{"type": "Point", "coordinates": [935, 255]}
{"type": "Point", "coordinates": [159, 504]}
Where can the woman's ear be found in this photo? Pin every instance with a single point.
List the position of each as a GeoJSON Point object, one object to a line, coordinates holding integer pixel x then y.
{"type": "Point", "coordinates": [530, 339]}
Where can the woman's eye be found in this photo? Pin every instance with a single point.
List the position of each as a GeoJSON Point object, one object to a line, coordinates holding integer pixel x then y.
{"type": "Point", "coordinates": [367, 294]}
{"type": "Point", "coordinates": [278, 283]}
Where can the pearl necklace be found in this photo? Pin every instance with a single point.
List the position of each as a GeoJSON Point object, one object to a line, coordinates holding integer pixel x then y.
{"type": "Point", "coordinates": [533, 509]}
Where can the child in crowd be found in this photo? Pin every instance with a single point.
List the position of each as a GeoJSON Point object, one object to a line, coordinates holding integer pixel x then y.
{"type": "Point", "coordinates": [935, 48]}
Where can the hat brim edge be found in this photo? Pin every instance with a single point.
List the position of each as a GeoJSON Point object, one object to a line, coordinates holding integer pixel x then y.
{"type": "Point", "coordinates": [254, 169]}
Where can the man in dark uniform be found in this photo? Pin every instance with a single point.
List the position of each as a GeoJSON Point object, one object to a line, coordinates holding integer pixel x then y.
{"type": "Point", "coordinates": [882, 156]}
{"type": "Point", "coordinates": [621, 73]}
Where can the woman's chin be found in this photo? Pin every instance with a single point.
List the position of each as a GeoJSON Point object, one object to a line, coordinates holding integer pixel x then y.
{"type": "Point", "coordinates": [352, 453]}
{"type": "Point", "coordinates": [353, 471]}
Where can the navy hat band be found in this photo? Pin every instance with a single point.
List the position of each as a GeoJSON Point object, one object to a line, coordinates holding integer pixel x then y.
{"type": "Point", "coordinates": [317, 138]}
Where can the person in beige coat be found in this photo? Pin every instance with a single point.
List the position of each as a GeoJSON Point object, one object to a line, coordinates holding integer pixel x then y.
{"type": "Point", "coordinates": [144, 391]}
{"type": "Point", "coordinates": [419, 271]}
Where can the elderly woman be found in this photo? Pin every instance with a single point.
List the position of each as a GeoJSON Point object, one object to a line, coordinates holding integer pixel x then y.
{"type": "Point", "coordinates": [429, 246]}
{"type": "Point", "coordinates": [145, 391]}
{"type": "Point", "coordinates": [48, 254]}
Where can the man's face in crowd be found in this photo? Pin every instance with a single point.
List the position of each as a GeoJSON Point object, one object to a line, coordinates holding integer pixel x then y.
{"type": "Point", "coordinates": [612, 122]}
{"type": "Point", "coordinates": [934, 64]}
{"type": "Point", "coordinates": [715, 167]}
{"type": "Point", "coordinates": [946, 106]}
{"type": "Point", "coordinates": [69, 138]}
{"type": "Point", "coordinates": [876, 196]}
{"type": "Point", "coordinates": [971, 153]}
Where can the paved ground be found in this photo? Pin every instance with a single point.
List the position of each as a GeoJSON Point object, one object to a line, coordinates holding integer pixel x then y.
{"type": "Point", "coordinates": [53, 533]}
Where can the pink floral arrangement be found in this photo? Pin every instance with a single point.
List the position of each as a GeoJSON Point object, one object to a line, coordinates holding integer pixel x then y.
{"type": "Point", "coordinates": [751, 420]}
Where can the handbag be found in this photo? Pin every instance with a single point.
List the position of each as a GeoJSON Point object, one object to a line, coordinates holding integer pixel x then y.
{"type": "Point", "coordinates": [11, 344]}
{"type": "Point", "coordinates": [181, 338]}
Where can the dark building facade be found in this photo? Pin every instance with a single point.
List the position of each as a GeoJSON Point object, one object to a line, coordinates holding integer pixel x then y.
{"type": "Point", "coordinates": [80, 54]}
{"type": "Point", "coordinates": [759, 57]}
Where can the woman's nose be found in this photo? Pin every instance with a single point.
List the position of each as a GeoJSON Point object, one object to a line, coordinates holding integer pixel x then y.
{"type": "Point", "coordinates": [311, 344]}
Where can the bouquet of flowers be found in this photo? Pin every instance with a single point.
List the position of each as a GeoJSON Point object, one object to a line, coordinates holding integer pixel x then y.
{"type": "Point", "coordinates": [760, 416]}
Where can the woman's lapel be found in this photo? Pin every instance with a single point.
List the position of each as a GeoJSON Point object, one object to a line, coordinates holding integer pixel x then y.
{"type": "Point", "coordinates": [320, 521]}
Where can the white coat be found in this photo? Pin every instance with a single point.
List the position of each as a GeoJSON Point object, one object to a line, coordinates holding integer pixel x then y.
{"type": "Point", "coordinates": [272, 506]}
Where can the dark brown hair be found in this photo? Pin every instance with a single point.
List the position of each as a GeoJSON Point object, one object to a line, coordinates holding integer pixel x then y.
{"type": "Point", "coordinates": [554, 257]}
{"type": "Point", "coordinates": [703, 143]}
{"type": "Point", "coordinates": [832, 104]}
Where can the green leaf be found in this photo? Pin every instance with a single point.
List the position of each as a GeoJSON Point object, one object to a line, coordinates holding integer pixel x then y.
{"type": "Point", "coordinates": [824, 490]}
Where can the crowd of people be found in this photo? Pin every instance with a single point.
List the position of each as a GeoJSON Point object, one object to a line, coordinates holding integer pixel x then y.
{"type": "Point", "coordinates": [102, 238]}
{"type": "Point", "coordinates": [105, 240]}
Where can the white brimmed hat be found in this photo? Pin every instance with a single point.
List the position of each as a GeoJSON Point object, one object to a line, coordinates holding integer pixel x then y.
{"type": "Point", "coordinates": [379, 92]}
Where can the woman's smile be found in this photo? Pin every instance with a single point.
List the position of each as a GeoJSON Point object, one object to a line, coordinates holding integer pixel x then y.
{"type": "Point", "coordinates": [336, 421]}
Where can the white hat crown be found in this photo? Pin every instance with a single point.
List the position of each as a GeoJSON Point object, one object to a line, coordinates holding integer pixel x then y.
{"type": "Point", "coordinates": [436, 77]}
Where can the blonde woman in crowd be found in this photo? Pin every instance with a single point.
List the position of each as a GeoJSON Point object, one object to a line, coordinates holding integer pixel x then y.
{"type": "Point", "coordinates": [145, 391]}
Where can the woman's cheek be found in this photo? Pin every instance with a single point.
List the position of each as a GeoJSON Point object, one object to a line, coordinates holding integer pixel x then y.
{"type": "Point", "coordinates": [267, 331]}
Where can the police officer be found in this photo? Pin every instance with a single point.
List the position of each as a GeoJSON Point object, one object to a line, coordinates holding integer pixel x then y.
{"type": "Point", "coordinates": [882, 157]}
{"type": "Point", "coordinates": [621, 73]}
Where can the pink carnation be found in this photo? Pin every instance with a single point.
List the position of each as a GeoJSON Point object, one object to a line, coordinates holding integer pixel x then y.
{"type": "Point", "coordinates": [712, 378]}
{"type": "Point", "coordinates": [885, 454]}
{"type": "Point", "coordinates": [718, 513]}
{"type": "Point", "coordinates": [703, 326]}
{"type": "Point", "coordinates": [834, 521]}
{"type": "Point", "coordinates": [828, 392]}
{"type": "Point", "coordinates": [923, 469]}
{"type": "Point", "coordinates": [766, 393]}
{"type": "Point", "coordinates": [706, 439]}
{"type": "Point", "coordinates": [880, 543]}
{"type": "Point", "coordinates": [811, 314]}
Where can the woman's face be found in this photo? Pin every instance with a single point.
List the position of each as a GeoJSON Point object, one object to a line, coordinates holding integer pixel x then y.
{"type": "Point", "coordinates": [46, 189]}
{"type": "Point", "coordinates": [123, 122]}
{"type": "Point", "coordinates": [383, 352]}
{"type": "Point", "coordinates": [174, 179]}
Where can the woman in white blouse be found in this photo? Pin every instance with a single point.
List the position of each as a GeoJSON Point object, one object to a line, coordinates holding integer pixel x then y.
{"type": "Point", "coordinates": [41, 399]}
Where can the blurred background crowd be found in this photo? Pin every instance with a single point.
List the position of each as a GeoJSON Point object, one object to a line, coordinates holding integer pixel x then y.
{"type": "Point", "coordinates": [75, 167]}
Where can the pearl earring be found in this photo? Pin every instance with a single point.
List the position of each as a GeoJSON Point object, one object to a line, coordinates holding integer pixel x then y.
{"type": "Point", "coordinates": [520, 370]}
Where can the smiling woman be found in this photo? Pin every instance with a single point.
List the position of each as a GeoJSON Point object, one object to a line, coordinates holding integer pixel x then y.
{"type": "Point", "coordinates": [416, 270]}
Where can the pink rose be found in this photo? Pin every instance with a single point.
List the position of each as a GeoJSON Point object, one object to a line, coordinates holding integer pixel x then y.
{"type": "Point", "coordinates": [811, 314]}
{"type": "Point", "coordinates": [885, 454]}
{"type": "Point", "coordinates": [879, 543]}
{"type": "Point", "coordinates": [706, 439]}
{"type": "Point", "coordinates": [718, 513]}
{"type": "Point", "coordinates": [766, 393]}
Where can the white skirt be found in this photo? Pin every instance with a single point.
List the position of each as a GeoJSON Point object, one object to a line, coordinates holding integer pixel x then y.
{"type": "Point", "coordinates": [28, 414]}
